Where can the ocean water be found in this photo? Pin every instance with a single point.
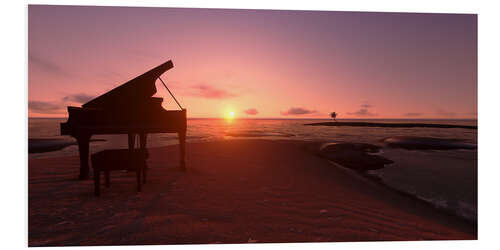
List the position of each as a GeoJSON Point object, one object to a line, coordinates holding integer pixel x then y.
{"type": "Point", "coordinates": [447, 179]}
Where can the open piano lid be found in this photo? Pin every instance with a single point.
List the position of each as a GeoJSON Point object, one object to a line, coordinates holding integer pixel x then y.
{"type": "Point", "coordinates": [133, 91]}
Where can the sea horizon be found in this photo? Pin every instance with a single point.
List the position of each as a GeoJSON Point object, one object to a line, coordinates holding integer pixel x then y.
{"type": "Point", "coordinates": [301, 118]}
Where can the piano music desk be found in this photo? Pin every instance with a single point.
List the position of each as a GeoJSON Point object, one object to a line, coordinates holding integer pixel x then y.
{"type": "Point", "coordinates": [119, 159]}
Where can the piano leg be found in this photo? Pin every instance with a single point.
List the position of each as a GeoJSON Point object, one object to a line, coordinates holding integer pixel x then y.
{"type": "Point", "coordinates": [131, 141]}
{"type": "Point", "coordinates": [182, 145]}
{"type": "Point", "coordinates": [83, 148]}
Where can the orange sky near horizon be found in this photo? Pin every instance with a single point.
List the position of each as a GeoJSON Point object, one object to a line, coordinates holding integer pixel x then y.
{"type": "Point", "coordinates": [257, 63]}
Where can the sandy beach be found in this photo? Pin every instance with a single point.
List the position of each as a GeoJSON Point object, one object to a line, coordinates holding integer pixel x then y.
{"type": "Point", "coordinates": [234, 191]}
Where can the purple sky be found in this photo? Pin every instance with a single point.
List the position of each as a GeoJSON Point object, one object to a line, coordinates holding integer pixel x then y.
{"type": "Point", "coordinates": [259, 63]}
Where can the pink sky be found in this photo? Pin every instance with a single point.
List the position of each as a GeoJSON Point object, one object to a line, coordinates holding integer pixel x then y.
{"type": "Point", "coordinates": [261, 64]}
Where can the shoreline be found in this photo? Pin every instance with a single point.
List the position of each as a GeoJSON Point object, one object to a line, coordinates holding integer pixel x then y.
{"type": "Point", "coordinates": [45, 145]}
{"type": "Point", "coordinates": [281, 190]}
{"type": "Point", "coordinates": [371, 179]}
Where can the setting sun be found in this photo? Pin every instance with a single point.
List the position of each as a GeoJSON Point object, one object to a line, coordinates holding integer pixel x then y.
{"type": "Point", "coordinates": [230, 115]}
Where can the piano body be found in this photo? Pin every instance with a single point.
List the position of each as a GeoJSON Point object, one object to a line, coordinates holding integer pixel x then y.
{"type": "Point", "coordinates": [127, 109]}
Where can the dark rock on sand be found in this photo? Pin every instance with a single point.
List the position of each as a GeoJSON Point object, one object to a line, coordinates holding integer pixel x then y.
{"type": "Point", "coordinates": [427, 143]}
{"type": "Point", "coordinates": [355, 156]}
{"type": "Point", "coordinates": [391, 125]}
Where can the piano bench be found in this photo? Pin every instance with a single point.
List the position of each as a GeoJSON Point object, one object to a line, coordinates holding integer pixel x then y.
{"type": "Point", "coordinates": [119, 159]}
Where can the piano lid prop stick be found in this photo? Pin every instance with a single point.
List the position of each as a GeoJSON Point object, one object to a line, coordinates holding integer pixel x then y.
{"type": "Point", "coordinates": [170, 93]}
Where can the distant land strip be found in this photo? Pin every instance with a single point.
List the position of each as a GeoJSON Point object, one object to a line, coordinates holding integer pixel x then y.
{"type": "Point", "coordinates": [42, 145]}
{"type": "Point", "coordinates": [389, 125]}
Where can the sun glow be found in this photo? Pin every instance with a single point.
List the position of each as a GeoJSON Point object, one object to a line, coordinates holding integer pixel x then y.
{"type": "Point", "coordinates": [230, 115]}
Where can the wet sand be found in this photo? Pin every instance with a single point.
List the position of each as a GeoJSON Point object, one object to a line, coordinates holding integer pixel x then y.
{"type": "Point", "coordinates": [234, 191]}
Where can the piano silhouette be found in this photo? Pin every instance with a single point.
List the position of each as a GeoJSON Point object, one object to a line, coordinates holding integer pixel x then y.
{"type": "Point", "coordinates": [127, 109]}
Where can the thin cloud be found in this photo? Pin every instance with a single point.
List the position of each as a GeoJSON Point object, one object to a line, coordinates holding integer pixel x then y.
{"type": "Point", "coordinates": [46, 65]}
{"type": "Point", "coordinates": [363, 112]}
{"type": "Point", "coordinates": [298, 111]}
{"type": "Point", "coordinates": [251, 111]}
{"type": "Point", "coordinates": [42, 107]}
{"type": "Point", "coordinates": [80, 98]}
{"type": "Point", "coordinates": [210, 92]}
{"type": "Point", "coordinates": [445, 113]}
{"type": "Point", "coordinates": [413, 114]}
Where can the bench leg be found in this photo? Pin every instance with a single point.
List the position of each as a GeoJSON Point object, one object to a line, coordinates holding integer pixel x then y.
{"type": "Point", "coordinates": [131, 141]}
{"type": "Point", "coordinates": [97, 179]}
{"type": "Point", "coordinates": [107, 178]}
{"type": "Point", "coordinates": [138, 175]}
{"type": "Point", "coordinates": [143, 138]}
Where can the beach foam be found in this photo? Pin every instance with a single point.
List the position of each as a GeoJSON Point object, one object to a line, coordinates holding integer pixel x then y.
{"type": "Point", "coordinates": [461, 209]}
{"type": "Point", "coordinates": [423, 143]}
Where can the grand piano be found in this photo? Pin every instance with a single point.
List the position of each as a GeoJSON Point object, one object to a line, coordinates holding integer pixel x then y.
{"type": "Point", "coordinates": [127, 109]}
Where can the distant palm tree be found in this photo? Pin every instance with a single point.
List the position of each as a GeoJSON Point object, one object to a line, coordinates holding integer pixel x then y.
{"type": "Point", "coordinates": [334, 116]}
